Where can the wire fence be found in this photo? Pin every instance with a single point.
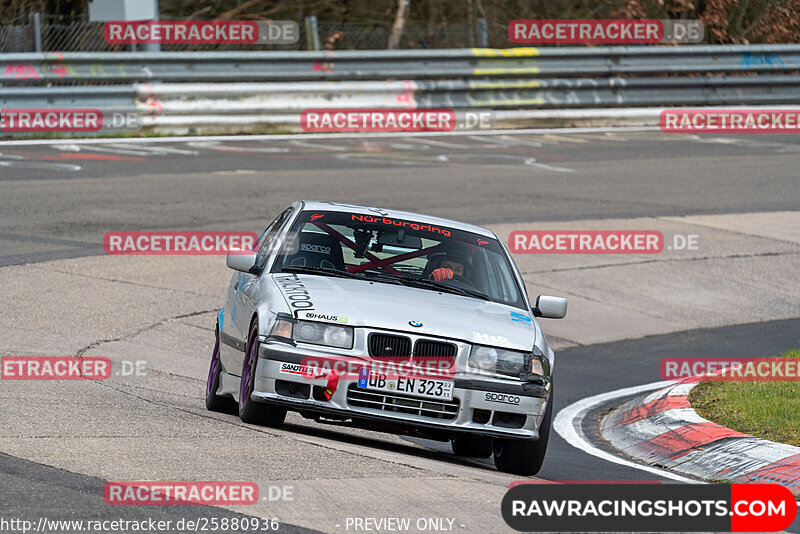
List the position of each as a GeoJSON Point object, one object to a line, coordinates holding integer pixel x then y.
{"type": "Point", "coordinates": [48, 33]}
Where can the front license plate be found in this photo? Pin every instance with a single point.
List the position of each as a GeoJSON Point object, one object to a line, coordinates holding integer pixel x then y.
{"type": "Point", "coordinates": [416, 387]}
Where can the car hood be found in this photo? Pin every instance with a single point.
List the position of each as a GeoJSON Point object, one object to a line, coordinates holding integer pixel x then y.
{"type": "Point", "coordinates": [396, 307]}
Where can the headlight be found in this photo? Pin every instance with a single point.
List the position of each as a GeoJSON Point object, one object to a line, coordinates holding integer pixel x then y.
{"type": "Point", "coordinates": [484, 358]}
{"type": "Point", "coordinates": [323, 334]}
{"type": "Point", "coordinates": [504, 362]}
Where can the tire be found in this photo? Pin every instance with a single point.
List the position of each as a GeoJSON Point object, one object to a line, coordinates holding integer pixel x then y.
{"type": "Point", "coordinates": [214, 402]}
{"type": "Point", "coordinates": [256, 413]}
{"type": "Point", "coordinates": [522, 456]}
{"type": "Point", "coordinates": [472, 446]}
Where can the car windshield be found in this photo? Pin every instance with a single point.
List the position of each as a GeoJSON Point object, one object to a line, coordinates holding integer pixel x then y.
{"type": "Point", "coordinates": [392, 250]}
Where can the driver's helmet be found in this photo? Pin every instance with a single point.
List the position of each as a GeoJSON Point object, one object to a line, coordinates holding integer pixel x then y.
{"type": "Point", "coordinates": [435, 260]}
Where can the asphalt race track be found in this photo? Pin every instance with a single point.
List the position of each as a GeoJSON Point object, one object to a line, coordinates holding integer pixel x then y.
{"type": "Point", "coordinates": [60, 294]}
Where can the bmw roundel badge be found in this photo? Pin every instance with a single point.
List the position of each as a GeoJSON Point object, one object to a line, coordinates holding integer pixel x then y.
{"type": "Point", "coordinates": [416, 324]}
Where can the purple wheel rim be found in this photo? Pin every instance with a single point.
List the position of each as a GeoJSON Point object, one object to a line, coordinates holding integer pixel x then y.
{"type": "Point", "coordinates": [244, 388]}
{"type": "Point", "coordinates": [213, 369]}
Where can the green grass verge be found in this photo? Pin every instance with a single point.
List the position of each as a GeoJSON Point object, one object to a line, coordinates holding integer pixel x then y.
{"type": "Point", "coordinates": [768, 410]}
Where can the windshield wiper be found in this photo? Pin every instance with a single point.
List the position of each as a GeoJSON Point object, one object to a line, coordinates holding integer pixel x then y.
{"type": "Point", "coordinates": [333, 272]}
{"type": "Point", "coordinates": [438, 286]}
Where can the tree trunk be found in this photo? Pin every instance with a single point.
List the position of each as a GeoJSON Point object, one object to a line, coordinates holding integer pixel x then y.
{"type": "Point", "coordinates": [399, 23]}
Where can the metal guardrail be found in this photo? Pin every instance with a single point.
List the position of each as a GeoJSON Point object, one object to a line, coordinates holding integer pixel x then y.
{"type": "Point", "coordinates": [28, 69]}
{"type": "Point", "coordinates": [225, 91]}
{"type": "Point", "coordinates": [609, 92]}
{"type": "Point", "coordinates": [121, 97]}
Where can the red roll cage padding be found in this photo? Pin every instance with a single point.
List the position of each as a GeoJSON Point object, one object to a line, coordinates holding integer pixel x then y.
{"type": "Point", "coordinates": [375, 262]}
{"type": "Point", "coordinates": [394, 259]}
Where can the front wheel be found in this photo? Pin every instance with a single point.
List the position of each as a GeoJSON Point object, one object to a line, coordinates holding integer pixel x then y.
{"type": "Point", "coordinates": [522, 456]}
{"type": "Point", "coordinates": [214, 402]}
{"type": "Point", "coordinates": [252, 412]}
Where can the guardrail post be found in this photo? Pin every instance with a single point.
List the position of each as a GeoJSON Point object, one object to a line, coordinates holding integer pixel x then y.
{"type": "Point", "coordinates": [483, 33]}
{"type": "Point", "coordinates": [152, 47]}
{"type": "Point", "coordinates": [35, 21]}
{"type": "Point", "coordinates": [312, 33]}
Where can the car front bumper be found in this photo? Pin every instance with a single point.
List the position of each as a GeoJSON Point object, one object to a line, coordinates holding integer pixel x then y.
{"type": "Point", "coordinates": [481, 405]}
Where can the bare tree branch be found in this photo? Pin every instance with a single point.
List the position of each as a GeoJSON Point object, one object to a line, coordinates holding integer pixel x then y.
{"type": "Point", "coordinates": [399, 23]}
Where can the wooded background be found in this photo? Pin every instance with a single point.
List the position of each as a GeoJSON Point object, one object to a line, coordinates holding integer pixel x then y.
{"type": "Point", "coordinates": [726, 21]}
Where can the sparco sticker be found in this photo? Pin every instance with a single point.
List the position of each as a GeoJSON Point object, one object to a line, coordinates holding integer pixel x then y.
{"type": "Point", "coordinates": [295, 291]}
{"type": "Point", "coordinates": [503, 398]}
{"type": "Point", "coordinates": [319, 249]}
{"type": "Point", "coordinates": [328, 318]}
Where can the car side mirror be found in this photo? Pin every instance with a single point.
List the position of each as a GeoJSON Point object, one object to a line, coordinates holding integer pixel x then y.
{"type": "Point", "coordinates": [550, 307]}
{"type": "Point", "coordinates": [241, 260]}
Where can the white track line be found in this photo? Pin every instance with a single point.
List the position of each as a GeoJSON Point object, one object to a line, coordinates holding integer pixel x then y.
{"type": "Point", "coordinates": [569, 420]}
{"type": "Point", "coordinates": [284, 137]}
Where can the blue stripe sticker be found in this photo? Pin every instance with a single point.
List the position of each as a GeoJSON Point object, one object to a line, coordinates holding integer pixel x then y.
{"type": "Point", "coordinates": [519, 317]}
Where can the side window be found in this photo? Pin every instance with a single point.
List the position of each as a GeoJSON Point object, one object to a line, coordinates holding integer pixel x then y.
{"type": "Point", "coordinates": [268, 239]}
